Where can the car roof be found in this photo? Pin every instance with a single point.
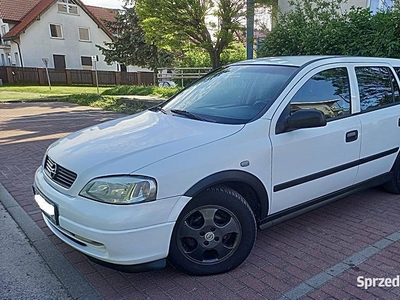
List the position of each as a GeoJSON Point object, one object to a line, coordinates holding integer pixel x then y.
{"type": "Point", "coordinates": [302, 60]}
{"type": "Point", "coordinates": [297, 61]}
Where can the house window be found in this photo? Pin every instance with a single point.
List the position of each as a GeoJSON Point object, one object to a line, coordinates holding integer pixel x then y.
{"type": "Point", "coordinates": [84, 34]}
{"type": "Point", "coordinates": [68, 7]}
{"type": "Point", "coordinates": [59, 61]}
{"type": "Point", "coordinates": [3, 32]}
{"type": "Point", "coordinates": [86, 60]}
{"type": "Point", "coordinates": [56, 31]}
{"type": "Point", "coordinates": [3, 60]}
{"type": "Point", "coordinates": [122, 68]}
{"type": "Point", "coordinates": [16, 56]}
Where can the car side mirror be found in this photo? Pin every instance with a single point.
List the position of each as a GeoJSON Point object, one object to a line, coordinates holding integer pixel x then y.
{"type": "Point", "coordinates": [305, 118]}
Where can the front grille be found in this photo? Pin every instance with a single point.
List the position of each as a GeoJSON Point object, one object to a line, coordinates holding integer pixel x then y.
{"type": "Point", "coordinates": [59, 174]}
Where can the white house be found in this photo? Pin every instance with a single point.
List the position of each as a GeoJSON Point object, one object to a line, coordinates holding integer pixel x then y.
{"type": "Point", "coordinates": [65, 32]}
{"type": "Point", "coordinates": [374, 5]}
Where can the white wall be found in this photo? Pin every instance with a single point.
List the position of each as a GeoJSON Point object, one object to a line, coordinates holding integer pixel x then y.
{"type": "Point", "coordinates": [36, 43]}
{"type": "Point", "coordinates": [285, 7]}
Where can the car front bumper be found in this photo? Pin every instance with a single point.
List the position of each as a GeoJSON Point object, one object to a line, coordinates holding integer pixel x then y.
{"type": "Point", "coordinates": [116, 235]}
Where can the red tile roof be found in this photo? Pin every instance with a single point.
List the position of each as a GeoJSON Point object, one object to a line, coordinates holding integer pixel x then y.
{"type": "Point", "coordinates": [15, 10]}
{"type": "Point", "coordinates": [28, 18]}
{"type": "Point", "coordinates": [102, 13]}
{"type": "Point", "coordinates": [32, 15]}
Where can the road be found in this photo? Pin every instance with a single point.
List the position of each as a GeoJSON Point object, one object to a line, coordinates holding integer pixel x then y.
{"type": "Point", "coordinates": [318, 255]}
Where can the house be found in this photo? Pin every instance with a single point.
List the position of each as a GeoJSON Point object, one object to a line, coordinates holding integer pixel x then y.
{"type": "Point", "coordinates": [374, 5]}
{"type": "Point", "coordinates": [61, 33]}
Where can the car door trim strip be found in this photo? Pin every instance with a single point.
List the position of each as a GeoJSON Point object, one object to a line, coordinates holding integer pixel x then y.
{"type": "Point", "coordinates": [311, 177]}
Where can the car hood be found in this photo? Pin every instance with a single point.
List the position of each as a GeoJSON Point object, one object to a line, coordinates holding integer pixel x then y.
{"type": "Point", "coordinates": [124, 145]}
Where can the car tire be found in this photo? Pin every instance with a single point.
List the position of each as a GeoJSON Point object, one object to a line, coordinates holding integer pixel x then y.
{"type": "Point", "coordinates": [393, 186]}
{"type": "Point", "coordinates": [214, 233]}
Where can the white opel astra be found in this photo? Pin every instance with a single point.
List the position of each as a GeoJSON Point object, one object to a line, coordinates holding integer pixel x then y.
{"type": "Point", "coordinates": [249, 145]}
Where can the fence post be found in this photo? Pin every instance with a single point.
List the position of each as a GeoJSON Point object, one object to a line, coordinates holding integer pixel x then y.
{"type": "Point", "coordinates": [139, 78]}
{"type": "Point", "coordinates": [10, 77]}
{"type": "Point", "coordinates": [117, 78]}
{"type": "Point", "coordinates": [40, 72]}
{"type": "Point", "coordinates": [68, 76]}
{"type": "Point", "coordinates": [94, 78]}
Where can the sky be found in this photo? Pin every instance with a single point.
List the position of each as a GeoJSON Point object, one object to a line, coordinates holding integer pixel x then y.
{"type": "Point", "coordinates": [104, 3]}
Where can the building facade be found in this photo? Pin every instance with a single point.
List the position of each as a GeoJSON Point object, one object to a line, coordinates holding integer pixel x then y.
{"type": "Point", "coordinates": [61, 33]}
{"type": "Point", "coordinates": [374, 5]}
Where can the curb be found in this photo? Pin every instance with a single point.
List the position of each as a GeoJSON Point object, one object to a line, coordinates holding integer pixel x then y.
{"type": "Point", "coordinates": [70, 278]}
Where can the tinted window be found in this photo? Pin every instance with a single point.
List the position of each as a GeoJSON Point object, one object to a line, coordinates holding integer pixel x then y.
{"type": "Point", "coordinates": [377, 87]}
{"type": "Point", "coordinates": [327, 91]}
{"type": "Point", "coordinates": [234, 94]}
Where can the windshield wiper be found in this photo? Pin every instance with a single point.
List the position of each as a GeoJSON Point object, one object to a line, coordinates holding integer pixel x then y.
{"type": "Point", "coordinates": [159, 108]}
{"type": "Point", "coordinates": [187, 114]}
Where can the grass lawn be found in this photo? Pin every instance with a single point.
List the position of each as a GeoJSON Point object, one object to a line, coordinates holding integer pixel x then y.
{"type": "Point", "coordinates": [44, 91]}
{"type": "Point", "coordinates": [109, 98]}
{"type": "Point", "coordinates": [33, 92]}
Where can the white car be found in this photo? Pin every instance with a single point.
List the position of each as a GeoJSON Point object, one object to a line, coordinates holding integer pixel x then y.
{"type": "Point", "coordinates": [167, 83]}
{"type": "Point", "coordinates": [251, 144]}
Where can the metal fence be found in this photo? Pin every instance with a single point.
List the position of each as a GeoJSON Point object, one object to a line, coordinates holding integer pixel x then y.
{"type": "Point", "coordinates": [181, 76]}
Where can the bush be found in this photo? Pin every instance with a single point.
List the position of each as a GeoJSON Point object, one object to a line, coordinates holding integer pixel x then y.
{"type": "Point", "coordinates": [319, 27]}
{"type": "Point", "coordinates": [123, 105]}
{"type": "Point", "coordinates": [140, 90]}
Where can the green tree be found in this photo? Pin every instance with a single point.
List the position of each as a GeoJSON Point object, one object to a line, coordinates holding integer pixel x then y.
{"type": "Point", "coordinates": [321, 27]}
{"type": "Point", "coordinates": [197, 57]}
{"type": "Point", "coordinates": [171, 23]}
{"type": "Point", "coordinates": [129, 46]}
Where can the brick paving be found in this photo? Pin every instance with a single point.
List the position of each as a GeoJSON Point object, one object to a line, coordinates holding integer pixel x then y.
{"type": "Point", "coordinates": [299, 258]}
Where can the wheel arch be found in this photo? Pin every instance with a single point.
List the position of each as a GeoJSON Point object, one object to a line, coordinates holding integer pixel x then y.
{"type": "Point", "coordinates": [246, 184]}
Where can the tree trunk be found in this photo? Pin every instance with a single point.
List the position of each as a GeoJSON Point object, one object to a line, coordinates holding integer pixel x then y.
{"type": "Point", "coordinates": [215, 58]}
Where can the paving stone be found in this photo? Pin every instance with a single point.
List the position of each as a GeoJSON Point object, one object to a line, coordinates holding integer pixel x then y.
{"type": "Point", "coordinates": [356, 235]}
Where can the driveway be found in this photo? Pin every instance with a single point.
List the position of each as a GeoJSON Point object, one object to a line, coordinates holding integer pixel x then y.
{"type": "Point", "coordinates": [318, 255]}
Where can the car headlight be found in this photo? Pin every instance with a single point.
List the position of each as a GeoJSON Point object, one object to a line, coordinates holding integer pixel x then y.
{"type": "Point", "coordinates": [121, 189]}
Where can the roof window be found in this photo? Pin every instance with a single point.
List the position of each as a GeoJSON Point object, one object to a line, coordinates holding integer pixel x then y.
{"type": "Point", "coordinates": [68, 7]}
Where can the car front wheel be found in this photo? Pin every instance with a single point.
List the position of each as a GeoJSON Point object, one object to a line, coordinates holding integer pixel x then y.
{"type": "Point", "coordinates": [393, 186]}
{"type": "Point", "coordinates": [214, 233]}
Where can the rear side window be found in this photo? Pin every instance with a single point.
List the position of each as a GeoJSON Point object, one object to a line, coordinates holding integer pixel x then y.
{"type": "Point", "coordinates": [327, 91]}
{"type": "Point", "coordinates": [377, 86]}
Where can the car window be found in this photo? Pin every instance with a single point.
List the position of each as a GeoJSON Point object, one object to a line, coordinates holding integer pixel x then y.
{"type": "Point", "coordinates": [327, 91]}
{"type": "Point", "coordinates": [377, 87]}
{"type": "Point", "coordinates": [232, 95]}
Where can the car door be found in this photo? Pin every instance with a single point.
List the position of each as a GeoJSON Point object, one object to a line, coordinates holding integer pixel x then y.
{"type": "Point", "coordinates": [379, 113]}
{"type": "Point", "coordinates": [310, 163]}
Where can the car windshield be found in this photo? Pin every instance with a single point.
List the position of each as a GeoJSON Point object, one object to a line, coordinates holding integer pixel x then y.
{"type": "Point", "coordinates": [232, 95]}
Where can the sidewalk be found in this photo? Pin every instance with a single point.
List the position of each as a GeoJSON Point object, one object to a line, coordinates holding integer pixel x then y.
{"type": "Point", "coordinates": [23, 272]}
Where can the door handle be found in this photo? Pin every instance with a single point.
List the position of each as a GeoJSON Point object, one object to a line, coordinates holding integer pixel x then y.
{"type": "Point", "coordinates": [351, 136]}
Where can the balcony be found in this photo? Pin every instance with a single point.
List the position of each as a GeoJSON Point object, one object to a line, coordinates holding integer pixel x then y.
{"type": "Point", "coordinates": [5, 44]}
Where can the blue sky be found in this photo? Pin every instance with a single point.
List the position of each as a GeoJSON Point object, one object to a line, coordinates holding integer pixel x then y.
{"type": "Point", "coordinates": [104, 3]}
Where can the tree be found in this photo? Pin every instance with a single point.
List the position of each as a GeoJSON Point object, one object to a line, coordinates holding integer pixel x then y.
{"type": "Point", "coordinates": [321, 27]}
{"type": "Point", "coordinates": [129, 46]}
{"type": "Point", "coordinates": [171, 23]}
{"type": "Point", "coordinates": [197, 57]}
